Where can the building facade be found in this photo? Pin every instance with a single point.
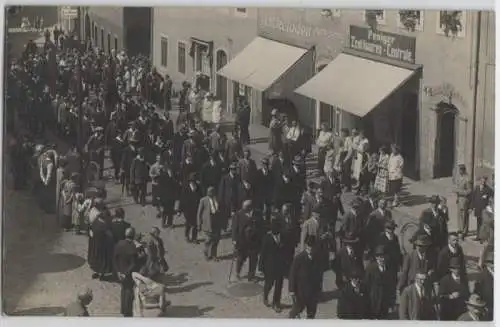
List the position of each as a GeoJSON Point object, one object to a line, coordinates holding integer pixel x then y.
{"type": "Point", "coordinates": [190, 41]}
{"type": "Point", "coordinates": [438, 96]}
{"type": "Point", "coordinates": [118, 28]}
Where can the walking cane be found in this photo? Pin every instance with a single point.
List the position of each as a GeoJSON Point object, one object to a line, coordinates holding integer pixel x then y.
{"type": "Point", "coordinates": [230, 270]}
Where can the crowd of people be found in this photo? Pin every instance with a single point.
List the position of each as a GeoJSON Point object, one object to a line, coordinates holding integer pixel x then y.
{"type": "Point", "coordinates": [284, 225]}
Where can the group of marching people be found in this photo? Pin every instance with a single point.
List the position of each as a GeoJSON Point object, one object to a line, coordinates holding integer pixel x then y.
{"type": "Point", "coordinates": [269, 210]}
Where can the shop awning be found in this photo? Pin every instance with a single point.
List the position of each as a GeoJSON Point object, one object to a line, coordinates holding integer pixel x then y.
{"type": "Point", "coordinates": [354, 84]}
{"type": "Point", "coordinates": [261, 63]}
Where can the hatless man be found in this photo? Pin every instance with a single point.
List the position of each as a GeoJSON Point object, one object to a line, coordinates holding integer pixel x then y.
{"type": "Point", "coordinates": [463, 191]}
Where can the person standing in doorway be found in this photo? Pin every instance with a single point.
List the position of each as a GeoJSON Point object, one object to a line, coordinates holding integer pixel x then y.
{"type": "Point", "coordinates": [463, 191]}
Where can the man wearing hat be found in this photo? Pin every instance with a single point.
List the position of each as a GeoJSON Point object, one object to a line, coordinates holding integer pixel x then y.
{"type": "Point", "coordinates": [417, 301]}
{"type": "Point", "coordinates": [128, 155]}
{"type": "Point", "coordinates": [228, 195]}
{"type": "Point", "coordinates": [453, 292]}
{"type": "Point", "coordinates": [187, 168]}
{"type": "Point", "coordinates": [393, 256]}
{"type": "Point", "coordinates": [273, 262]}
{"type": "Point", "coordinates": [347, 259]}
{"type": "Point", "coordinates": [191, 195]}
{"type": "Point", "coordinates": [264, 184]}
{"type": "Point", "coordinates": [304, 282]}
{"type": "Point", "coordinates": [419, 259]}
{"type": "Point", "coordinates": [433, 219]}
{"type": "Point", "coordinates": [284, 191]}
{"type": "Point", "coordinates": [308, 201]}
{"type": "Point", "coordinates": [211, 173]}
{"type": "Point", "coordinates": [453, 251]}
{"type": "Point", "coordinates": [247, 167]}
{"type": "Point", "coordinates": [353, 223]}
{"type": "Point", "coordinates": [476, 310]}
{"type": "Point", "coordinates": [95, 146]}
{"type": "Point", "coordinates": [310, 227]}
{"type": "Point", "coordinates": [243, 121]}
{"type": "Point", "coordinates": [209, 221]}
{"type": "Point", "coordinates": [375, 223]}
{"type": "Point", "coordinates": [380, 285]}
{"type": "Point", "coordinates": [217, 139]}
{"type": "Point", "coordinates": [119, 225]}
{"type": "Point", "coordinates": [480, 199]}
{"type": "Point", "coordinates": [139, 174]}
{"type": "Point", "coordinates": [233, 150]}
{"type": "Point", "coordinates": [354, 300]}
{"type": "Point", "coordinates": [247, 232]}
{"type": "Point", "coordinates": [189, 148]}
{"type": "Point", "coordinates": [463, 191]}
{"type": "Point", "coordinates": [484, 285]}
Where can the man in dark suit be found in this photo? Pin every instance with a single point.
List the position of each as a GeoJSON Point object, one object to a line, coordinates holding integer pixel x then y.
{"type": "Point", "coordinates": [483, 285]}
{"type": "Point", "coordinates": [380, 286]}
{"type": "Point", "coordinates": [273, 263]}
{"type": "Point", "coordinates": [375, 224]}
{"type": "Point", "coordinates": [139, 174]}
{"type": "Point", "coordinates": [228, 195]}
{"type": "Point", "coordinates": [125, 261]}
{"type": "Point", "coordinates": [479, 200]}
{"type": "Point", "coordinates": [331, 187]}
{"type": "Point", "coordinates": [298, 180]}
{"type": "Point", "coordinates": [453, 292]}
{"type": "Point", "coordinates": [433, 217]}
{"type": "Point", "coordinates": [246, 166]}
{"type": "Point", "coordinates": [308, 201]}
{"type": "Point", "coordinates": [420, 259]}
{"type": "Point", "coordinates": [169, 193]}
{"type": "Point", "coordinates": [211, 173]}
{"type": "Point", "coordinates": [264, 184]}
{"type": "Point", "coordinates": [243, 120]}
{"type": "Point", "coordinates": [246, 191]}
{"type": "Point", "coordinates": [189, 200]}
{"type": "Point", "coordinates": [79, 307]}
{"type": "Point", "coordinates": [353, 224]}
{"type": "Point", "coordinates": [247, 230]}
{"type": "Point", "coordinates": [304, 283]}
{"type": "Point", "coordinates": [354, 300]}
{"type": "Point", "coordinates": [448, 253]}
{"type": "Point", "coordinates": [209, 221]}
{"type": "Point", "coordinates": [347, 259]}
{"type": "Point", "coordinates": [119, 225]}
{"type": "Point", "coordinates": [393, 256]}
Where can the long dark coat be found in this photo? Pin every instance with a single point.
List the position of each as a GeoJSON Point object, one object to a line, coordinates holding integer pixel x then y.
{"type": "Point", "coordinates": [484, 287]}
{"type": "Point", "coordinates": [228, 194]}
{"type": "Point", "coordinates": [345, 264]}
{"type": "Point", "coordinates": [305, 278]}
{"type": "Point", "coordinates": [118, 228]}
{"type": "Point", "coordinates": [100, 247]}
{"type": "Point", "coordinates": [443, 262]}
{"type": "Point", "coordinates": [273, 257]}
{"type": "Point", "coordinates": [210, 175]}
{"type": "Point", "coordinates": [169, 191]}
{"type": "Point", "coordinates": [353, 305]}
{"type": "Point", "coordinates": [264, 185]}
{"type": "Point", "coordinates": [189, 203]}
{"type": "Point", "coordinates": [380, 287]}
{"type": "Point", "coordinates": [451, 309]}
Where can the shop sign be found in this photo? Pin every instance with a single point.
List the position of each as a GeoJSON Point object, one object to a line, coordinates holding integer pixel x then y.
{"type": "Point", "coordinates": [384, 44]}
{"type": "Point", "coordinates": [297, 29]}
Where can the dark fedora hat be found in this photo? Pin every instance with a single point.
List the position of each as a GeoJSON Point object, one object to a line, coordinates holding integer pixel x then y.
{"type": "Point", "coordinates": [422, 240]}
{"type": "Point", "coordinates": [379, 251]}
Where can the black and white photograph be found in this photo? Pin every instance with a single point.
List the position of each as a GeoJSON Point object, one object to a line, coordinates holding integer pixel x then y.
{"type": "Point", "coordinates": [253, 162]}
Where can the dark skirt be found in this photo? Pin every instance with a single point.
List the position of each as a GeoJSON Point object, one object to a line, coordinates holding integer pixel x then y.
{"type": "Point", "coordinates": [100, 249]}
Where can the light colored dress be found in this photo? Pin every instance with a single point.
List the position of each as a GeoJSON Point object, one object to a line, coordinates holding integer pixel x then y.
{"type": "Point", "coordinates": [330, 157]}
{"type": "Point", "coordinates": [382, 179]}
{"type": "Point", "coordinates": [357, 163]}
{"type": "Point", "coordinates": [217, 112]}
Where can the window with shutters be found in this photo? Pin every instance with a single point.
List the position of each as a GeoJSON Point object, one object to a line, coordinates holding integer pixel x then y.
{"type": "Point", "coordinates": [164, 51]}
{"type": "Point", "coordinates": [181, 57]}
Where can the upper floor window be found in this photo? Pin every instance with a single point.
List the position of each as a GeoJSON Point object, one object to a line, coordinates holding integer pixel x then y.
{"type": "Point", "coordinates": [181, 57]}
{"type": "Point", "coordinates": [451, 23]}
{"type": "Point", "coordinates": [411, 20]}
{"type": "Point", "coordinates": [375, 16]}
{"type": "Point", "coordinates": [241, 12]}
{"type": "Point", "coordinates": [164, 51]}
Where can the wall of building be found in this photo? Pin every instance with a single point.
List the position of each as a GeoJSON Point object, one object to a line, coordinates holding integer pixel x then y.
{"type": "Point", "coordinates": [447, 63]}
{"type": "Point", "coordinates": [111, 20]}
{"type": "Point", "coordinates": [229, 30]}
{"type": "Point", "coordinates": [485, 123]}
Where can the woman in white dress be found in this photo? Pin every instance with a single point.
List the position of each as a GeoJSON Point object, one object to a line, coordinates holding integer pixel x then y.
{"type": "Point", "coordinates": [360, 149]}
{"type": "Point", "coordinates": [330, 159]}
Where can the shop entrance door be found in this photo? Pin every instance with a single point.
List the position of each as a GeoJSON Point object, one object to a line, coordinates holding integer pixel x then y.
{"type": "Point", "coordinates": [221, 81]}
{"type": "Point", "coordinates": [445, 141]}
{"type": "Point", "coordinates": [409, 134]}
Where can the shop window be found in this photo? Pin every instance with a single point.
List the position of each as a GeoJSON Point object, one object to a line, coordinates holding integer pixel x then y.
{"type": "Point", "coordinates": [164, 51]}
{"type": "Point", "coordinates": [331, 116]}
{"type": "Point", "coordinates": [181, 57]}
{"type": "Point", "coordinates": [241, 11]}
{"type": "Point", "coordinates": [116, 43]}
{"type": "Point", "coordinates": [451, 23]}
